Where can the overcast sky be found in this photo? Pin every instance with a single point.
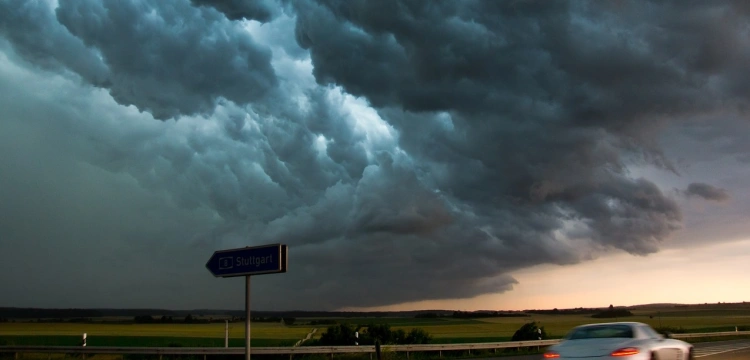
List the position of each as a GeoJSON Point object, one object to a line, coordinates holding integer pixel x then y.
{"type": "Point", "coordinates": [454, 154]}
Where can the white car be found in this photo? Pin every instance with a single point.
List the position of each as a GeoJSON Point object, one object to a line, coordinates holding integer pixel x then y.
{"type": "Point", "coordinates": [619, 340]}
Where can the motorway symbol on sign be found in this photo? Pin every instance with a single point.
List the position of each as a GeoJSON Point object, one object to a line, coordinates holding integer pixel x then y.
{"type": "Point", "coordinates": [266, 259]}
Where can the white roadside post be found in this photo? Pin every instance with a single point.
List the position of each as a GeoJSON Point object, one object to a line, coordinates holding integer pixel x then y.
{"type": "Point", "coordinates": [540, 337]}
{"type": "Point", "coordinates": [84, 344]}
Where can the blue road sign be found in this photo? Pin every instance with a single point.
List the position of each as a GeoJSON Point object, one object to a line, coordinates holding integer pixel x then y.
{"type": "Point", "coordinates": [265, 259]}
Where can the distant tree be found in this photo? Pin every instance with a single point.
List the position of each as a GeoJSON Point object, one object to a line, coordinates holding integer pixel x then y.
{"type": "Point", "coordinates": [340, 334]}
{"type": "Point", "coordinates": [616, 313]}
{"type": "Point", "coordinates": [189, 318]}
{"type": "Point", "coordinates": [275, 319]}
{"type": "Point", "coordinates": [398, 336]}
{"type": "Point", "coordinates": [611, 307]}
{"type": "Point", "coordinates": [143, 319]}
{"type": "Point", "coordinates": [418, 336]}
{"type": "Point", "coordinates": [323, 322]}
{"type": "Point", "coordinates": [289, 321]}
{"type": "Point", "coordinates": [529, 331]}
{"type": "Point", "coordinates": [380, 332]}
{"type": "Point", "coordinates": [344, 334]}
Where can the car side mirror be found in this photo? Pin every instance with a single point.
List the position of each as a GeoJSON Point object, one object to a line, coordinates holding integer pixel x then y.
{"type": "Point", "coordinates": [667, 335]}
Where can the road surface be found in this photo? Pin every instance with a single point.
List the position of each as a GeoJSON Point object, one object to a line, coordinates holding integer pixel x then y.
{"type": "Point", "coordinates": [720, 350]}
{"type": "Point", "coordinates": [723, 350]}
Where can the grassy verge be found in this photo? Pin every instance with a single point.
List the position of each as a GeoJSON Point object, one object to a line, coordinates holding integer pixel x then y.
{"type": "Point", "coordinates": [236, 330]}
{"type": "Point", "coordinates": [716, 338]}
{"type": "Point", "coordinates": [137, 341]}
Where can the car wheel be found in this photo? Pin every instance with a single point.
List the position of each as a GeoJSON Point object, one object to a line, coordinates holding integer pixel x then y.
{"type": "Point", "coordinates": [654, 356]}
{"type": "Point", "coordinates": [691, 354]}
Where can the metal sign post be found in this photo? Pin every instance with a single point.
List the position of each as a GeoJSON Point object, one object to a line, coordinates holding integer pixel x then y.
{"type": "Point", "coordinates": [247, 317]}
{"type": "Point", "coordinates": [226, 333]}
{"type": "Point", "coordinates": [248, 261]}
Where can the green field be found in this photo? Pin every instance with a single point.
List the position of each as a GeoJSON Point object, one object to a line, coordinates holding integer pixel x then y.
{"type": "Point", "coordinates": [139, 341]}
{"type": "Point", "coordinates": [236, 330]}
{"type": "Point", "coordinates": [102, 334]}
{"type": "Point", "coordinates": [449, 330]}
{"type": "Point", "coordinates": [443, 330]}
{"type": "Point", "coordinates": [397, 321]}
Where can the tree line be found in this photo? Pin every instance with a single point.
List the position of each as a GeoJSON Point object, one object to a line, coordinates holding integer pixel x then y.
{"type": "Point", "coordinates": [346, 334]}
{"type": "Point", "coordinates": [190, 319]}
{"type": "Point", "coordinates": [486, 314]}
{"type": "Point", "coordinates": [342, 334]}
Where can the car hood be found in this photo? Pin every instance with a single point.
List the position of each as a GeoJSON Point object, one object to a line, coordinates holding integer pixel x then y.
{"type": "Point", "coordinates": [591, 347]}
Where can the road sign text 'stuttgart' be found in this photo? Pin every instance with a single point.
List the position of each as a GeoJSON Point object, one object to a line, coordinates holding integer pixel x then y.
{"type": "Point", "coordinates": [266, 259]}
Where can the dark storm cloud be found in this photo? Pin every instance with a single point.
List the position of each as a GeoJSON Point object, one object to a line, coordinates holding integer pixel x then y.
{"type": "Point", "coordinates": [164, 57]}
{"type": "Point", "coordinates": [587, 58]}
{"type": "Point", "coordinates": [707, 192]}
{"type": "Point", "coordinates": [510, 129]}
{"type": "Point", "coordinates": [77, 235]}
{"type": "Point", "coordinates": [526, 116]}
{"type": "Point", "coordinates": [533, 112]}
{"type": "Point", "coordinates": [720, 136]}
{"type": "Point", "coordinates": [260, 10]}
{"type": "Point", "coordinates": [24, 23]}
{"type": "Point", "coordinates": [391, 199]}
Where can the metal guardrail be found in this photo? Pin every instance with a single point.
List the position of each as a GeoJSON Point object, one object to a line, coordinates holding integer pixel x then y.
{"type": "Point", "coordinates": [699, 335]}
{"type": "Point", "coordinates": [272, 350]}
{"type": "Point", "coordinates": [308, 349]}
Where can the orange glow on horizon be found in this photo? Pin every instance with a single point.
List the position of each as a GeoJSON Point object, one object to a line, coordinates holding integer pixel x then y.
{"type": "Point", "coordinates": [708, 274]}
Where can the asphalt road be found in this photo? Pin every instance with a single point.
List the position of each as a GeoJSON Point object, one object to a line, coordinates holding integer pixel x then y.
{"type": "Point", "coordinates": [720, 350]}
{"type": "Point", "coordinates": [734, 355]}
{"type": "Point", "coordinates": [723, 350]}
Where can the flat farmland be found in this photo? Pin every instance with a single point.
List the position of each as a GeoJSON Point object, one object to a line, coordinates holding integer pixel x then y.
{"type": "Point", "coordinates": [442, 329]}
{"type": "Point", "coordinates": [698, 321]}
{"type": "Point", "coordinates": [236, 330]}
{"type": "Point", "coordinates": [556, 326]}
{"type": "Point", "coordinates": [479, 330]}
{"type": "Point", "coordinates": [102, 334]}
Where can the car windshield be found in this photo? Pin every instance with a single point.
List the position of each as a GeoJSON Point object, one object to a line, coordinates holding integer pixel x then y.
{"type": "Point", "coordinates": [601, 332]}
